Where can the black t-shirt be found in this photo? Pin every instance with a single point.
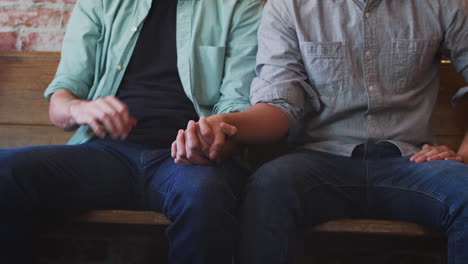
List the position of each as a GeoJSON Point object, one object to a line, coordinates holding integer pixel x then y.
{"type": "Point", "coordinates": [151, 86]}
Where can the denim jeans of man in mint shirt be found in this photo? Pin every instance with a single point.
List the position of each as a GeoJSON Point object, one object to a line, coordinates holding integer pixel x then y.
{"type": "Point", "coordinates": [201, 201]}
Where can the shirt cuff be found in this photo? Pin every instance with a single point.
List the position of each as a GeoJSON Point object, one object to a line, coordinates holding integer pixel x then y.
{"type": "Point", "coordinates": [231, 106]}
{"type": "Point", "coordinates": [289, 96]}
{"type": "Point", "coordinates": [459, 96]}
{"type": "Point", "coordinates": [79, 89]}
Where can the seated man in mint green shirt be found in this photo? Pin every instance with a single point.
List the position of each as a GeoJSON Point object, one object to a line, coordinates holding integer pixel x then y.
{"type": "Point", "coordinates": [352, 84]}
{"type": "Point", "coordinates": [131, 75]}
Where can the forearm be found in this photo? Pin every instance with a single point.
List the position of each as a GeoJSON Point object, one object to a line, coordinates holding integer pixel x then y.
{"type": "Point", "coordinates": [463, 149]}
{"type": "Point", "coordinates": [261, 123]}
{"type": "Point", "coordinates": [60, 106]}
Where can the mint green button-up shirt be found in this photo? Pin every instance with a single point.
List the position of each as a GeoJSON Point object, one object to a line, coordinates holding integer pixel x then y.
{"type": "Point", "coordinates": [216, 48]}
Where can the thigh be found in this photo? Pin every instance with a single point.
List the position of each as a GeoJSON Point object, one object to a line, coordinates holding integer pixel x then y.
{"type": "Point", "coordinates": [430, 193]}
{"type": "Point", "coordinates": [169, 181]}
{"type": "Point", "coordinates": [79, 177]}
{"type": "Point", "coordinates": [313, 186]}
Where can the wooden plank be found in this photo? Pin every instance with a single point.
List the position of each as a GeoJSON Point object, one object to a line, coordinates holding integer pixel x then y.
{"type": "Point", "coordinates": [23, 79]}
{"type": "Point", "coordinates": [447, 120]}
{"type": "Point", "coordinates": [13, 53]}
{"type": "Point", "coordinates": [450, 80]}
{"type": "Point", "coordinates": [376, 227]}
{"type": "Point", "coordinates": [450, 121]}
{"type": "Point", "coordinates": [12, 136]}
{"type": "Point", "coordinates": [123, 217]}
{"type": "Point", "coordinates": [453, 142]}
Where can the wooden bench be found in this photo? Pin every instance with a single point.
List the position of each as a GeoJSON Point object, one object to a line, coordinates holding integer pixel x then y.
{"type": "Point", "coordinates": [24, 122]}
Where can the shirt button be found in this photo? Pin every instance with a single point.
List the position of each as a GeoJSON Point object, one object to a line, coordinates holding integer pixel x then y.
{"type": "Point", "coordinates": [134, 29]}
{"type": "Point", "coordinates": [119, 68]}
{"type": "Point", "coordinates": [368, 53]}
{"type": "Point", "coordinates": [369, 117]}
{"type": "Point", "coordinates": [371, 88]}
{"type": "Point", "coordinates": [368, 15]}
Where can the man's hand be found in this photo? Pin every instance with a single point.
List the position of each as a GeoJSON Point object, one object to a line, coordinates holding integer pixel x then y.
{"type": "Point", "coordinates": [215, 131]}
{"type": "Point", "coordinates": [107, 115]}
{"type": "Point", "coordinates": [204, 143]}
{"type": "Point", "coordinates": [190, 148]}
{"type": "Point", "coordinates": [431, 153]}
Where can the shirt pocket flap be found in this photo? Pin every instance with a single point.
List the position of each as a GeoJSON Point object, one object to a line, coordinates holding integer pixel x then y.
{"type": "Point", "coordinates": [324, 49]}
{"type": "Point", "coordinates": [415, 46]}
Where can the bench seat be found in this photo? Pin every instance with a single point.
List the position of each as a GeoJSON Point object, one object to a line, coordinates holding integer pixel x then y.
{"type": "Point", "coordinates": [350, 226]}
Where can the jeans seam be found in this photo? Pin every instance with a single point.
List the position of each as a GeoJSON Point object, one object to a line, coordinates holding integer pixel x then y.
{"type": "Point", "coordinates": [157, 189]}
{"type": "Point", "coordinates": [336, 185]}
{"type": "Point", "coordinates": [366, 162]}
{"type": "Point", "coordinates": [143, 199]}
{"type": "Point", "coordinates": [422, 192]}
{"type": "Point", "coordinates": [164, 194]}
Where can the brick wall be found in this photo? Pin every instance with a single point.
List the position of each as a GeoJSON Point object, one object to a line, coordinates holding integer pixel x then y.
{"type": "Point", "coordinates": [33, 25]}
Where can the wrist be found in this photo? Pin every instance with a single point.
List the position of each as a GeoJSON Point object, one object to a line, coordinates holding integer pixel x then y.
{"type": "Point", "coordinates": [228, 118]}
{"type": "Point", "coordinates": [465, 158]}
{"type": "Point", "coordinates": [73, 110]}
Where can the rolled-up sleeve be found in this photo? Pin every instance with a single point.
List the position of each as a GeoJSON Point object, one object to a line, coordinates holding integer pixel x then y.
{"type": "Point", "coordinates": [281, 77]}
{"type": "Point", "coordinates": [78, 57]}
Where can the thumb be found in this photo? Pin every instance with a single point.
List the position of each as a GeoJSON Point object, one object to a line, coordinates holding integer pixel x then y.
{"type": "Point", "coordinates": [426, 146]}
{"type": "Point", "coordinates": [228, 129]}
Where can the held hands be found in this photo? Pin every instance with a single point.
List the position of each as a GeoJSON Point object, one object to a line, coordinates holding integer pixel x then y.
{"type": "Point", "coordinates": [431, 153]}
{"type": "Point", "coordinates": [206, 142]}
{"type": "Point", "coordinates": [107, 115]}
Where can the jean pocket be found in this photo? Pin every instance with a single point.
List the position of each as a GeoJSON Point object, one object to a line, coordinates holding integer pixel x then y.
{"type": "Point", "coordinates": [326, 65]}
{"type": "Point", "coordinates": [411, 58]}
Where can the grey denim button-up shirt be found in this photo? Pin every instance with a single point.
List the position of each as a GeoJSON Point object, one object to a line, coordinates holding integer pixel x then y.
{"type": "Point", "coordinates": [347, 72]}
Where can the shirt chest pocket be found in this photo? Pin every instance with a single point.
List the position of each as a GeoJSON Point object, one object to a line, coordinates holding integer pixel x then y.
{"type": "Point", "coordinates": [209, 72]}
{"type": "Point", "coordinates": [412, 59]}
{"type": "Point", "coordinates": [326, 65]}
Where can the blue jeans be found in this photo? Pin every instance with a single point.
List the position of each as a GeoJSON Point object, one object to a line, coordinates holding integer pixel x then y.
{"type": "Point", "coordinates": [309, 187]}
{"type": "Point", "coordinates": [201, 201]}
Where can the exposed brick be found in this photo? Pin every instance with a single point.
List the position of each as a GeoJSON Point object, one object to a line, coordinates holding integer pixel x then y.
{"type": "Point", "coordinates": [42, 41]}
{"type": "Point", "coordinates": [45, 1]}
{"type": "Point", "coordinates": [38, 24]}
{"type": "Point", "coordinates": [32, 18]}
{"type": "Point", "coordinates": [66, 17]}
{"type": "Point", "coordinates": [8, 40]}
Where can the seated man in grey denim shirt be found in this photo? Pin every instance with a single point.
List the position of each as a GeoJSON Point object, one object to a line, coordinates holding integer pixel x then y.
{"type": "Point", "coordinates": [352, 84]}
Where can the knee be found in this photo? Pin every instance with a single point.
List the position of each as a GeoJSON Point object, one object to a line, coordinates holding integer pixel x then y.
{"type": "Point", "coordinates": [273, 180]}
{"type": "Point", "coordinates": [273, 195]}
{"type": "Point", "coordinates": [205, 189]}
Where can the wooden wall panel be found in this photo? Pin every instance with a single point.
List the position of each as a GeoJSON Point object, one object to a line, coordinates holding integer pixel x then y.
{"type": "Point", "coordinates": [23, 79]}
{"type": "Point", "coordinates": [447, 120]}
{"type": "Point", "coordinates": [453, 142]}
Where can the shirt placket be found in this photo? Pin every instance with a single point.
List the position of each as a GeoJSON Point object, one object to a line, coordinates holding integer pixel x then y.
{"type": "Point", "coordinates": [184, 39]}
{"type": "Point", "coordinates": [370, 73]}
{"type": "Point", "coordinates": [141, 10]}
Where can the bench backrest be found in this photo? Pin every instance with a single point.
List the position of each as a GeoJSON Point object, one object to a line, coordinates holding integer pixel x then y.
{"type": "Point", "coordinates": [24, 117]}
